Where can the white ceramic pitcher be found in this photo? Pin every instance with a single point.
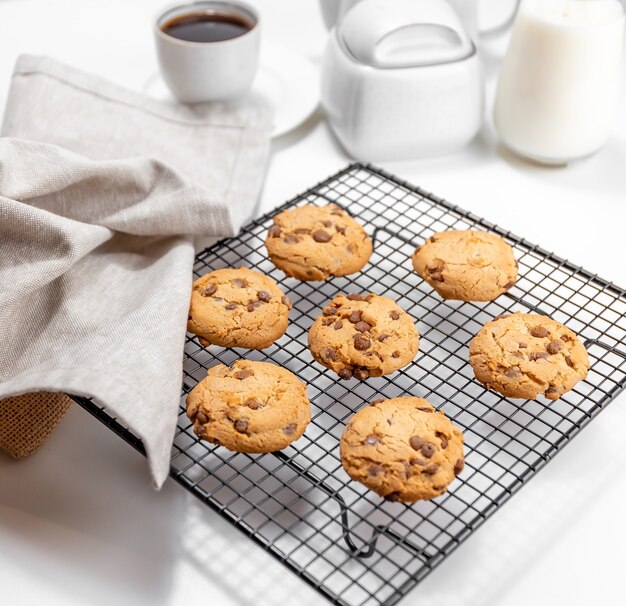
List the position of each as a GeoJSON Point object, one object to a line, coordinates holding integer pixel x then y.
{"type": "Point", "coordinates": [402, 80]}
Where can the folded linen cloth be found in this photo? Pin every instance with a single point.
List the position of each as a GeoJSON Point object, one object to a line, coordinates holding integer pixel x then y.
{"type": "Point", "coordinates": [101, 191]}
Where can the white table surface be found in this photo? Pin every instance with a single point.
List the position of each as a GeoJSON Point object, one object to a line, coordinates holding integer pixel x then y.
{"type": "Point", "coordinates": [79, 521]}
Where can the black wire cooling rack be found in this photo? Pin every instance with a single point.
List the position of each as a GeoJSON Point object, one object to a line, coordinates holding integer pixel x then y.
{"type": "Point", "coordinates": [299, 504]}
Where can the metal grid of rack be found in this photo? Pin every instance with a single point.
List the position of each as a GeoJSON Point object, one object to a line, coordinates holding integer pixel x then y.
{"type": "Point", "coordinates": [299, 504]}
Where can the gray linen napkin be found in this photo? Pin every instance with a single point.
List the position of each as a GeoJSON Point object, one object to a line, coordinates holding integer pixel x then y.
{"type": "Point", "coordinates": [101, 191]}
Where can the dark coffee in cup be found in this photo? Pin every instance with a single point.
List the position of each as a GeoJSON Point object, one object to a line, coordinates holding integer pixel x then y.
{"type": "Point", "coordinates": [207, 26]}
{"type": "Point", "coordinates": [208, 50]}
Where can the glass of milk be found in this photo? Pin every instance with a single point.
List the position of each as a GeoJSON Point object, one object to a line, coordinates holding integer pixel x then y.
{"type": "Point", "coordinates": [559, 84]}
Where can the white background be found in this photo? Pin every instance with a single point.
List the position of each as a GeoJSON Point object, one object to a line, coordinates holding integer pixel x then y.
{"type": "Point", "coordinates": [79, 521]}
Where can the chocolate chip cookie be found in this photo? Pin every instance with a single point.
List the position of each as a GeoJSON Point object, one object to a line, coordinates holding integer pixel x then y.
{"type": "Point", "coordinates": [238, 308]}
{"type": "Point", "coordinates": [402, 449]}
{"type": "Point", "coordinates": [363, 336]}
{"type": "Point", "coordinates": [466, 265]}
{"type": "Point", "coordinates": [524, 355]}
{"type": "Point", "coordinates": [249, 407]}
{"type": "Point", "coordinates": [317, 242]}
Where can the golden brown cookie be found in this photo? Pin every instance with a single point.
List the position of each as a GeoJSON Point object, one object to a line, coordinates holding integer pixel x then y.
{"type": "Point", "coordinates": [466, 265]}
{"type": "Point", "coordinates": [363, 336]}
{"type": "Point", "coordinates": [238, 308]}
{"type": "Point", "coordinates": [249, 407]}
{"type": "Point", "coordinates": [524, 355]}
{"type": "Point", "coordinates": [317, 242]}
{"type": "Point", "coordinates": [402, 449]}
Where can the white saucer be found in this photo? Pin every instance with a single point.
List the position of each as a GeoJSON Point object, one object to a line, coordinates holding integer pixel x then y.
{"type": "Point", "coordinates": [286, 81]}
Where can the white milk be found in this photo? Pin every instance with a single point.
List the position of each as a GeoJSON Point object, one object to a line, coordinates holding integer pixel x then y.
{"type": "Point", "coordinates": [558, 88]}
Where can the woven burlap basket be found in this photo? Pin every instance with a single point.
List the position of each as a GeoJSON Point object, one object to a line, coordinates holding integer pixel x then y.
{"type": "Point", "coordinates": [27, 421]}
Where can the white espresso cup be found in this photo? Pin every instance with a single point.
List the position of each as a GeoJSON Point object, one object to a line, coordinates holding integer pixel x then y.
{"type": "Point", "coordinates": [208, 70]}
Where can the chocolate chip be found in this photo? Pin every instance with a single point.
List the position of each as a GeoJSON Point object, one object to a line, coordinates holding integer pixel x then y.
{"type": "Point", "coordinates": [290, 429]}
{"type": "Point", "coordinates": [377, 401]}
{"type": "Point", "coordinates": [239, 283]}
{"type": "Point", "coordinates": [355, 317]}
{"type": "Point", "coordinates": [374, 470]}
{"type": "Point", "coordinates": [340, 229]}
{"type": "Point", "coordinates": [431, 470]}
{"type": "Point", "coordinates": [554, 347]}
{"type": "Point", "coordinates": [392, 497]}
{"type": "Point", "coordinates": [209, 290]}
{"type": "Point", "coordinates": [264, 296]}
{"type": "Point", "coordinates": [509, 284]}
{"type": "Point", "coordinates": [501, 317]}
{"type": "Point", "coordinates": [442, 438]}
{"type": "Point", "coordinates": [361, 374]}
{"type": "Point", "coordinates": [533, 356]}
{"type": "Point", "coordinates": [432, 239]}
{"type": "Point", "coordinates": [202, 418]}
{"type": "Point", "coordinates": [302, 230]}
{"type": "Point", "coordinates": [321, 236]}
{"type": "Point", "coordinates": [361, 343]}
{"type": "Point", "coordinates": [539, 331]}
{"type": "Point", "coordinates": [345, 374]}
{"type": "Point", "coordinates": [395, 315]}
{"type": "Point", "coordinates": [569, 361]}
{"type": "Point", "coordinates": [253, 305]}
{"type": "Point", "coordinates": [286, 301]}
{"type": "Point", "coordinates": [383, 338]}
{"type": "Point", "coordinates": [244, 374]}
{"type": "Point", "coordinates": [189, 318]}
{"type": "Point", "coordinates": [255, 404]}
{"type": "Point", "coordinates": [199, 430]}
{"type": "Point", "coordinates": [551, 392]}
{"type": "Point", "coordinates": [395, 354]}
{"type": "Point", "coordinates": [291, 239]}
{"type": "Point", "coordinates": [458, 466]}
{"type": "Point", "coordinates": [354, 296]}
{"type": "Point", "coordinates": [437, 276]}
{"type": "Point", "coordinates": [203, 342]}
{"type": "Point", "coordinates": [327, 321]}
{"type": "Point", "coordinates": [426, 409]}
{"type": "Point", "coordinates": [362, 326]}
{"type": "Point", "coordinates": [274, 231]}
{"type": "Point", "coordinates": [436, 266]}
{"type": "Point", "coordinates": [327, 223]}
{"type": "Point", "coordinates": [416, 442]}
{"type": "Point", "coordinates": [428, 449]}
{"type": "Point", "coordinates": [517, 354]}
{"type": "Point", "coordinates": [512, 373]}
{"type": "Point", "coordinates": [231, 306]}
{"type": "Point", "coordinates": [329, 354]}
{"type": "Point", "coordinates": [338, 213]}
{"type": "Point", "coordinates": [329, 311]}
{"type": "Point", "coordinates": [338, 324]}
{"type": "Point", "coordinates": [241, 425]}
{"type": "Point", "coordinates": [522, 345]}
{"type": "Point", "coordinates": [371, 440]}
{"type": "Point", "coordinates": [565, 338]}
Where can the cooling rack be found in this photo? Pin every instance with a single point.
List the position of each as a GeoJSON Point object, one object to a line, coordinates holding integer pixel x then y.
{"type": "Point", "coordinates": [299, 504]}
